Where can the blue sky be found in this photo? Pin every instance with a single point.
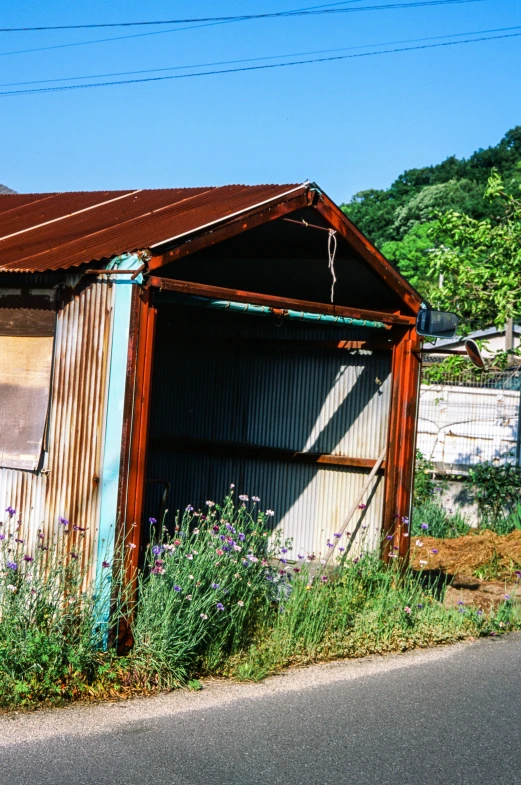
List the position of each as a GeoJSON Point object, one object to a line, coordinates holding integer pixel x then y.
{"type": "Point", "coordinates": [348, 125]}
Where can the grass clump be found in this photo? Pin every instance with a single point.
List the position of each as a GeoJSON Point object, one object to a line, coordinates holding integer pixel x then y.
{"type": "Point", "coordinates": [50, 634]}
{"type": "Point", "coordinates": [216, 596]}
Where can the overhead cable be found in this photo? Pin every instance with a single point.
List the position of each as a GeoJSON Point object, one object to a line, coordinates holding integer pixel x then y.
{"type": "Point", "coordinates": [220, 21]}
{"type": "Point", "coordinates": [257, 59]}
{"type": "Point", "coordinates": [252, 67]}
{"type": "Point", "coordinates": [327, 9]}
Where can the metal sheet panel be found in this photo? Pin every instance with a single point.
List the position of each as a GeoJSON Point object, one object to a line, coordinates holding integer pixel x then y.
{"type": "Point", "coordinates": [294, 397]}
{"type": "Point", "coordinates": [69, 483]}
{"type": "Point", "coordinates": [306, 400]}
{"type": "Point", "coordinates": [59, 231]}
{"type": "Point", "coordinates": [310, 502]}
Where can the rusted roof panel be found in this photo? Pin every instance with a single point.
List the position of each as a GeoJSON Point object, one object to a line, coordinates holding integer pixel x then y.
{"type": "Point", "coordinates": [40, 232]}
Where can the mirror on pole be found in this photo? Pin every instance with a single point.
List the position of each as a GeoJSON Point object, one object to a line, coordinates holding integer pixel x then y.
{"type": "Point", "coordinates": [474, 354]}
{"type": "Point", "coordinates": [436, 324]}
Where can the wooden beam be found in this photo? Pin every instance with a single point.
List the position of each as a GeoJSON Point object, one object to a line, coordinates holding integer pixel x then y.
{"type": "Point", "coordinates": [401, 445]}
{"type": "Point", "coordinates": [272, 301]}
{"type": "Point", "coordinates": [339, 221]}
{"type": "Point", "coordinates": [217, 234]}
{"type": "Point", "coordinates": [279, 343]}
{"type": "Point", "coordinates": [245, 450]}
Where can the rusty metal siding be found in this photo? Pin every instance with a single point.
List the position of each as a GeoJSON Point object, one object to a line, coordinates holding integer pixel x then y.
{"type": "Point", "coordinates": [69, 483]}
{"type": "Point", "coordinates": [56, 231]}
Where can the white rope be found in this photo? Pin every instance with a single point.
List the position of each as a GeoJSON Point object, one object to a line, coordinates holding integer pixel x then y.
{"type": "Point", "coordinates": [331, 251]}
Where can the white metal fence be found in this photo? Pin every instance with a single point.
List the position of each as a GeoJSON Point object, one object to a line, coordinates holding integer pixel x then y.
{"type": "Point", "coordinates": [468, 419]}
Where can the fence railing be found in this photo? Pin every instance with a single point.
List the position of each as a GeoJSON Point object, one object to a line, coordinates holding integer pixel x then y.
{"type": "Point", "coordinates": [470, 417]}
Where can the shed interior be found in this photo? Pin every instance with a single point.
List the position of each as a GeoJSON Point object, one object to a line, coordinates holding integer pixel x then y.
{"type": "Point", "coordinates": [279, 408]}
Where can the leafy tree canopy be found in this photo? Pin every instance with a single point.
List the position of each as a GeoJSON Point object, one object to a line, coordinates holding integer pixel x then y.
{"type": "Point", "coordinates": [387, 215]}
{"type": "Point", "coordinates": [475, 267]}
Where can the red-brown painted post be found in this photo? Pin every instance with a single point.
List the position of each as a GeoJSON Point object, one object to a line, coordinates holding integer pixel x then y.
{"type": "Point", "coordinates": [401, 445]}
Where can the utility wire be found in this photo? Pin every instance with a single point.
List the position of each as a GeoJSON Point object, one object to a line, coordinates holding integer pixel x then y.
{"type": "Point", "coordinates": [255, 67]}
{"type": "Point", "coordinates": [327, 9]}
{"type": "Point", "coordinates": [256, 59]}
{"type": "Point", "coordinates": [226, 20]}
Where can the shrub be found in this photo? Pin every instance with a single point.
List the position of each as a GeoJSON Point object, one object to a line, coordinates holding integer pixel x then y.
{"type": "Point", "coordinates": [497, 490]}
{"type": "Point", "coordinates": [50, 632]}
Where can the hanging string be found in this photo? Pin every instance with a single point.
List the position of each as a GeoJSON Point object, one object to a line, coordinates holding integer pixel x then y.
{"type": "Point", "coordinates": [331, 251]}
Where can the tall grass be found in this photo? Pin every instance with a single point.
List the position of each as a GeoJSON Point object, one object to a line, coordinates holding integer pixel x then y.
{"type": "Point", "coordinates": [216, 596]}
{"type": "Point", "coordinates": [50, 631]}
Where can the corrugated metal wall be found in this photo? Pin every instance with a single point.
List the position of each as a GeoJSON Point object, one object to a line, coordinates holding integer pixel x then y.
{"type": "Point", "coordinates": [69, 483]}
{"type": "Point", "coordinates": [269, 393]}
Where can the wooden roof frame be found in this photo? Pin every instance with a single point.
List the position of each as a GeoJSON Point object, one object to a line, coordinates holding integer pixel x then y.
{"type": "Point", "coordinates": [308, 196]}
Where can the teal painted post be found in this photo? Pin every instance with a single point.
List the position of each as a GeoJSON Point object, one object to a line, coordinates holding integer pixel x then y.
{"type": "Point", "coordinates": [111, 460]}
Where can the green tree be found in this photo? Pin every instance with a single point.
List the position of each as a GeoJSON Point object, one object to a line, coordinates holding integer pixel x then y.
{"type": "Point", "coordinates": [412, 255]}
{"type": "Point", "coordinates": [478, 262]}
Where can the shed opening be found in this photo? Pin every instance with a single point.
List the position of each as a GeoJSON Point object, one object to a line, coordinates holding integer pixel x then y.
{"type": "Point", "coordinates": [284, 410]}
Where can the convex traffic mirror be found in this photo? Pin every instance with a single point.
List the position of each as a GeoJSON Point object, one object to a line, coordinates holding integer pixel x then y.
{"type": "Point", "coordinates": [436, 324]}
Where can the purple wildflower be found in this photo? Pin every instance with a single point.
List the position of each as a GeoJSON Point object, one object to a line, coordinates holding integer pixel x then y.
{"type": "Point", "coordinates": [157, 550]}
{"type": "Point", "coordinates": [20, 542]}
{"type": "Point", "coordinates": [241, 537]}
{"type": "Point", "coordinates": [219, 606]}
{"type": "Point", "coordinates": [461, 602]}
{"type": "Point", "coordinates": [63, 521]}
{"type": "Point", "coordinates": [324, 579]}
{"type": "Point", "coordinates": [11, 565]}
{"type": "Point", "coordinates": [2, 536]}
{"type": "Point", "coordinates": [424, 526]}
{"type": "Point", "coordinates": [177, 588]}
{"type": "Point", "coordinates": [152, 521]}
{"type": "Point", "coordinates": [105, 564]}
{"type": "Point", "coordinates": [189, 508]}
{"type": "Point", "coordinates": [362, 506]}
{"type": "Point", "coordinates": [336, 534]}
{"type": "Point", "coordinates": [434, 550]}
{"type": "Point", "coordinates": [74, 555]}
{"type": "Point", "coordinates": [28, 558]}
{"type": "Point", "coordinates": [10, 510]}
{"type": "Point", "coordinates": [215, 585]}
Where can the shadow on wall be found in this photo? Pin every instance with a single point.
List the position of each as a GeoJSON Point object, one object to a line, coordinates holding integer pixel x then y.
{"type": "Point", "coordinates": [210, 395]}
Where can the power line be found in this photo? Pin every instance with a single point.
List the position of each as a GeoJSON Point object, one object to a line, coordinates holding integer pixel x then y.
{"type": "Point", "coordinates": [53, 47]}
{"type": "Point", "coordinates": [257, 59]}
{"type": "Point", "coordinates": [327, 9]}
{"type": "Point", "coordinates": [254, 67]}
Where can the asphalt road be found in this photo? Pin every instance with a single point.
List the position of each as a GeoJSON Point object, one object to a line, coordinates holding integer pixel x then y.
{"type": "Point", "coordinates": [449, 715]}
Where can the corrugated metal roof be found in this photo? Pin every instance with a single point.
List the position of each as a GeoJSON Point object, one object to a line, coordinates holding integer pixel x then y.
{"type": "Point", "coordinates": [56, 231]}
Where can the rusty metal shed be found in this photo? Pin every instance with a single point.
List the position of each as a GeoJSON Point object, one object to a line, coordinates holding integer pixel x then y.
{"type": "Point", "coordinates": [180, 340]}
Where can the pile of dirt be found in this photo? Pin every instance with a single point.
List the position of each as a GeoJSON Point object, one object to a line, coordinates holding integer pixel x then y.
{"type": "Point", "coordinates": [484, 554]}
{"type": "Point", "coordinates": [480, 569]}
